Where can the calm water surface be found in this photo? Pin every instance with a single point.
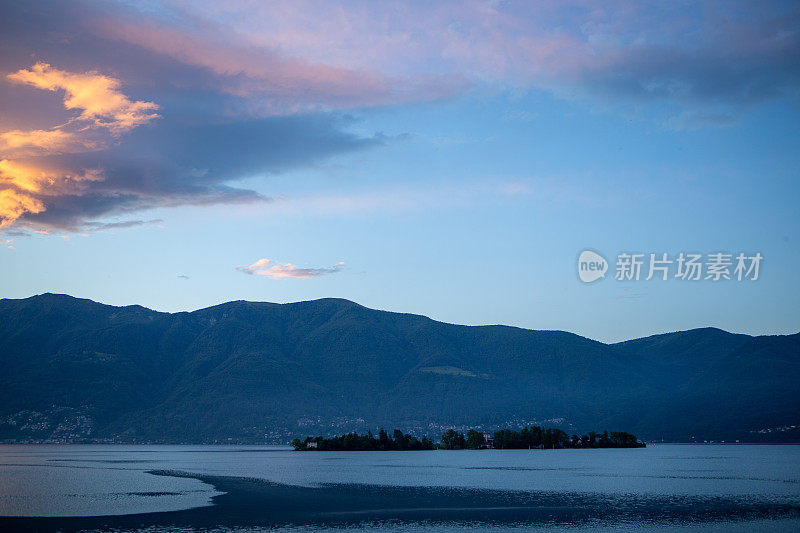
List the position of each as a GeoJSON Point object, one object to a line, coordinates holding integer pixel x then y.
{"type": "Point", "coordinates": [84, 480]}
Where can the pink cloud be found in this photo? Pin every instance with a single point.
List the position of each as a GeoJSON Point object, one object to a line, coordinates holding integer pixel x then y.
{"type": "Point", "coordinates": [266, 267]}
{"type": "Point", "coordinates": [274, 82]}
{"type": "Point", "coordinates": [378, 51]}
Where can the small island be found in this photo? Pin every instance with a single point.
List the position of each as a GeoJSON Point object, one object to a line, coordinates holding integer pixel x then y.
{"type": "Point", "coordinates": [356, 442]}
{"type": "Point", "coordinates": [528, 438]}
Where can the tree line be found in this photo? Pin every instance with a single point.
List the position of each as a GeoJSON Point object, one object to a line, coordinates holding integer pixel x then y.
{"type": "Point", "coordinates": [535, 437]}
{"type": "Point", "coordinates": [368, 442]}
{"type": "Point", "coordinates": [532, 437]}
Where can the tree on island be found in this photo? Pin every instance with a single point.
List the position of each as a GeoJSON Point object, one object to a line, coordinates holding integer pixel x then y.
{"type": "Point", "coordinates": [356, 442]}
{"type": "Point", "coordinates": [553, 438]}
{"type": "Point", "coordinates": [475, 440]}
{"type": "Point", "coordinates": [453, 440]}
{"type": "Point", "coordinates": [527, 438]}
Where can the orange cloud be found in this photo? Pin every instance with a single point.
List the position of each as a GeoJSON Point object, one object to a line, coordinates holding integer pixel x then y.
{"type": "Point", "coordinates": [265, 267]}
{"type": "Point", "coordinates": [14, 204]}
{"type": "Point", "coordinates": [50, 140]}
{"type": "Point", "coordinates": [38, 179]}
{"type": "Point", "coordinates": [22, 187]}
{"type": "Point", "coordinates": [21, 176]}
{"type": "Point", "coordinates": [97, 96]}
{"type": "Point", "coordinates": [105, 112]}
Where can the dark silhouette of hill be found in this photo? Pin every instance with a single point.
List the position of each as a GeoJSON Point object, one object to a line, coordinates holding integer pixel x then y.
{"type": "Point", "coordinates": [250, 371]}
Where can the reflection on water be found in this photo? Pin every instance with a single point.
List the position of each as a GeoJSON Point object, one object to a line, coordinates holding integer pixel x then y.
{"type": "Point", "coordinates": [116, 480]}
{"type": "Point", "coordinates": [29, 489]}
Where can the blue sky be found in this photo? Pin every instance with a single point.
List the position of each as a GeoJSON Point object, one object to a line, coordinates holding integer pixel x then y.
{"type": "Point", "coordinates": [456, 159]}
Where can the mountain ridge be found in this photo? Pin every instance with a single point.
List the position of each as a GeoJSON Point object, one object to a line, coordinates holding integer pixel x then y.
{"type": "Point", "coordinates": [331, 298]}
{"type": "Point", "coordinates": [262, 371]}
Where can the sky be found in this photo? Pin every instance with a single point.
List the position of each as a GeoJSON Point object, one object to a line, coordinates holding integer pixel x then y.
{"type": "Point", "coordinates": [451, 159]}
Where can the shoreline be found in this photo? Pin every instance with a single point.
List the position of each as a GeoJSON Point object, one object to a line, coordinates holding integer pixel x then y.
{"type": "Point", "coordinates": [249, 502]}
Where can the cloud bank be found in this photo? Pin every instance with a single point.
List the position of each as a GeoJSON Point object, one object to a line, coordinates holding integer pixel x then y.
{"type": "Point", "coordinates": [688, 53]}
{"type": "Point", "coordinates": [109, 109]}
{"type": "Point", "coordinates": [104, 128]}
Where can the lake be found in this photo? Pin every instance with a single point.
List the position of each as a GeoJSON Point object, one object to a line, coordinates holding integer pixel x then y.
{"type": "Point", "coordinates": [251, 488]}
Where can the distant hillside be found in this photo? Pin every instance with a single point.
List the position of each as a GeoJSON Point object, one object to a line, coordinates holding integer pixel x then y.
{"type": "Point", "coordinates": [254, 372]}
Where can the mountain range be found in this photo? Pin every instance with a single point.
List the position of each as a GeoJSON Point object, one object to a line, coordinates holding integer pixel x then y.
{"type": "Point", "coordinates": [75, 370]}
